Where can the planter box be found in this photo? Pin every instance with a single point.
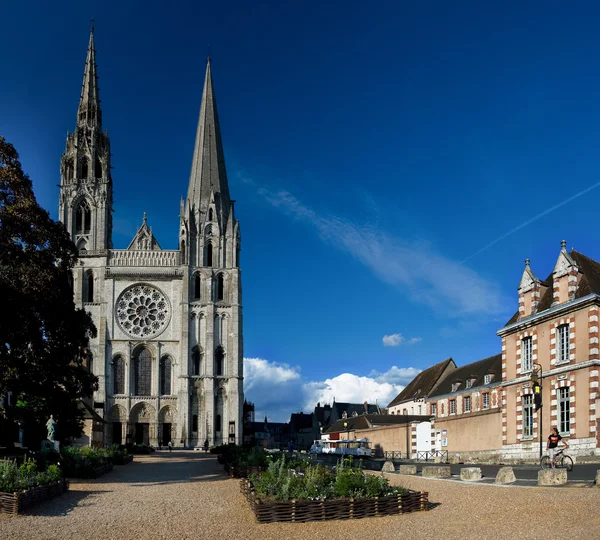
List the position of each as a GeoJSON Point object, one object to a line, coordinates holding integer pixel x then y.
{"type": "Point", "coordinates": [15, 503]}
{"type": "Point", "coordinates": [123, 460]}
{"type": "Point", "coordinates": [306, 510]}
{"type": "Point", "coordinates": [90, 472]}
{"type": "Point", "coordinates": [235, 471]}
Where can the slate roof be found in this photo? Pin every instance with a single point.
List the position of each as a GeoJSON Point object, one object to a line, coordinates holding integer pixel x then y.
{"type": "Point", "coordinates": [300, 421]}
{"type": "Point", "coordinates": [589, 283]}
{"type": "Point", "coordinates": [476, 370]}
{"type": "Point", "coordinates": [423, 383]}
{"type": "Point", "coordinates": [351, 408]}
{"type": "Point", "coordinates": [366, 421]}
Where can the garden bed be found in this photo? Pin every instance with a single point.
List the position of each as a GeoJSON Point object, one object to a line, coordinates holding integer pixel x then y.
{"type": "Point", "coordinates": [91, 472]}
{"type": "Point", "coordinates": [15, 503]}
{"type": "Point", "coordinates": [123, 460]}
{"type": "Point", "coordinates": [243, 471]}
{"type": "Point", "coordinates": [329, 509]}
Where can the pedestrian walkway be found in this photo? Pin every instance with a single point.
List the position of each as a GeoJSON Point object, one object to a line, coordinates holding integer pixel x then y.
{"type": "Point", "coordinates": [183, 495]}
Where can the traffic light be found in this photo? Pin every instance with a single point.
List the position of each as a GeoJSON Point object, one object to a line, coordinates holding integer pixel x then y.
{"type": "Point", "coordinates": [537, 396]}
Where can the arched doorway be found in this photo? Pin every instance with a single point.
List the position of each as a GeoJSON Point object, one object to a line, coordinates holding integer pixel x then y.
{"type": "Point", "coordinates": [143, 423]}
{"type": "Point", "coordinates": [167, 428]}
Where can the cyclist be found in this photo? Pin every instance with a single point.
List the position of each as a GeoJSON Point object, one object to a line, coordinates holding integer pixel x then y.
{"type": "Point", "coordinates": [552, 444]}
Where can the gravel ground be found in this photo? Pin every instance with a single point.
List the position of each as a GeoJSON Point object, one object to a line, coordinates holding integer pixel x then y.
{"type": "Point", "coordinates": [186, 495]}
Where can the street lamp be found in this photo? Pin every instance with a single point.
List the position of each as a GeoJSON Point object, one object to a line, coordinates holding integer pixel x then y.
{"type": "Point", "coordinates": [537, 398]}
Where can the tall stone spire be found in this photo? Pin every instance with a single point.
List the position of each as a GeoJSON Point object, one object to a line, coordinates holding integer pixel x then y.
{"type": "Point", "coordinates": [89, 112]}
{"type": "Point", "coordinates": [208, 174]}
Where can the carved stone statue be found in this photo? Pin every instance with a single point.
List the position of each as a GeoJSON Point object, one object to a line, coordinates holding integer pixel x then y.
{"type": "Point", "coordinates": [50, 426]}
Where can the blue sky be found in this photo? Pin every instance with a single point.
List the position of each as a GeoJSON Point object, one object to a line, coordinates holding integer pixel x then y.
{"type": "Point", "coordinates": [374, 150]}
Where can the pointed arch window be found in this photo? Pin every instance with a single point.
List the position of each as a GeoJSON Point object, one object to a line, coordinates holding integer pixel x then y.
{"type": "Point", "coordinates": [219, 361]}
{"type": "Point", "coordinates": [165, 376]}
{"type": "Point", "coordinates": [197, 286]}
{"type": "Point", "coordinates": [83, 218]}
{"type": "Point", "coordinates": [97, 168]}
{"type": "Point", "coordinates": [88, 287]}
{"type": "Point", "coordinates": [210, 214]}
{"type": "Point", "coordinates": [218, 423]}
{"type": "Point", "coordinates": [196, 361]}
{"type": "Point", "coordinates": [84, 167]}
{"type": "Point", "coordinates": [142, 372]}
{"type": "Point", "coordinates": [118, 375]}
{"type": "Point", "coordinates": [208, 259]}
{"type": "Point", "coordinates": [220, 287]}
{"type": "Point", "coordinates": [195, 423]}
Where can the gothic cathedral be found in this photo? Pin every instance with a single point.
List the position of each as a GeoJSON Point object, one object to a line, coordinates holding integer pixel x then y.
{"type": "Point", "coordinates": [169, 348]}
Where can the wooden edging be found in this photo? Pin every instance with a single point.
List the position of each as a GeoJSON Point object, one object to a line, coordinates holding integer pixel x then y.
{"type": "Point", "coordinates": [328, 509]}
{"type": "Point", "coordinates": [15, 503]}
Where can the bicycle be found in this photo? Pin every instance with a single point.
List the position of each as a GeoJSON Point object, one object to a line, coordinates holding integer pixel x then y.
{"type": "Point", "coordinates": [561, 461]}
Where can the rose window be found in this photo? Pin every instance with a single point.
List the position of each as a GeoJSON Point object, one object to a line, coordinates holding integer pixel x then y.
{"type": "Point", "coordinates": [143, 311]}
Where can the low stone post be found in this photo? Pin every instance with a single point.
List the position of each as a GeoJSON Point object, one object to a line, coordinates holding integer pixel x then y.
{"type": "Point", "coordinates": [552, 477]}
{"type": "Point", "coordinates": [436, 471]}
{"type": "Point", "coordinates": [388, 466]}
{"type": "Point", "coordinates": [407, 469]}
{"type": "Point", "coordinates": [505, 475]}
{"type": "Point", "coordinates": [597, 478]}
{"type": "Point", "coordinates": [470, 474]}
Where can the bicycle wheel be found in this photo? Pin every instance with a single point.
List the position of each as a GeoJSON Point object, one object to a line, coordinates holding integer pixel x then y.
{"type": "Point", "coordinates": [567, 463]}
{"type": "Point", "coordinates": [545, 462]}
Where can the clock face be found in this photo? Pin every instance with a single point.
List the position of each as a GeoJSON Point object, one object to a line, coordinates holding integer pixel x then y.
{"type": "Point", "coordinates": [143, 311]}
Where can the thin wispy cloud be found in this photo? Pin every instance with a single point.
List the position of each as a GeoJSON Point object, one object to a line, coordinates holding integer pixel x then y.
{"type": "Point", "coordinates": [429, 277]}
{"type": "Point", "coordinates": [395, 340]}
{"type": "Point", "coordinates": [530, 221]}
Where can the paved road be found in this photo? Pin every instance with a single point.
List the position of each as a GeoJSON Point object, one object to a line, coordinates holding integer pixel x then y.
{"type": "Point", "coordinates": [186, 495]}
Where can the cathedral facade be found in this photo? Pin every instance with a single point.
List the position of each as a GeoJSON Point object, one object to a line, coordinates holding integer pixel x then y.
{"type": "Point", "coordinates": [169, 347]}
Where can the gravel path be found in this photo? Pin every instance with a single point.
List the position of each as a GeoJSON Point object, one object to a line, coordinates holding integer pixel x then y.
{"type": "Point", "coordinates": [186, 495]}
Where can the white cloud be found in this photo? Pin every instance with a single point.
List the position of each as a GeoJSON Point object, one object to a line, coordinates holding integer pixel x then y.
{"type": "Point", "coordinates": [430, 278]}
{"type": "Point", "coordinates": [395, 375]}
{"type": "Point", "coordinates": [393, 340]}
{"type": "Point", "coordinates": [277, 390]}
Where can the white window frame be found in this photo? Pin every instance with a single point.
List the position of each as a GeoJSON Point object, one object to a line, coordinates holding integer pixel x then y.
{"type": "Point", "coordinates": [434, 409]}
{"type": "Point", "coordinates": [562, 344]}
{"type": "Point", "coordinates": [467, 404]}
{"type": "Point", "coordinates": [527, 401]}
{"type": "Point", "coordinates": [485, 401]}
{"type": "Point", "coordinates": [487, 379]}
{"type": "Point", "coordinates": [563, 410]}
{"type": "Point", "coordinates": [527, 354]}
{"type": "Point", "coordinates": [469, 383]}
{"type": "Point", "coordinates": [455, 386]}
{"type": "Point", "coordinates": [452, 406]}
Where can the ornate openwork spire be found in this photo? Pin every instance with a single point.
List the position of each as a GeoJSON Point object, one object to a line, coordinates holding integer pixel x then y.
{"type": "Point", "coordinates": [208, 165]}
{"type": "Point", "coordinates": [89, 113]}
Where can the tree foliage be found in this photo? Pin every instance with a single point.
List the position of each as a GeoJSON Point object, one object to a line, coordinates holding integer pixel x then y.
{"type": "Point", "coordinates": [43, 337]}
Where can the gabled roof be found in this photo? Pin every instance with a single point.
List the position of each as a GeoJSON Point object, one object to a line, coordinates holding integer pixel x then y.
{"type": "Point", "coordinates": [300, 421]}
{"type": "Point", "coordinates": [423, 383]}
{"type": "Point", "coordinates": [477, 371]}
{"type": "Point", "coordinates": [589, 283]}
{"type": "Point", "coordinates": [351, 408]}
{"type": "Point", "coordinates": [144, 239]}
{"type": "Point", "coordinates": [366, 421]}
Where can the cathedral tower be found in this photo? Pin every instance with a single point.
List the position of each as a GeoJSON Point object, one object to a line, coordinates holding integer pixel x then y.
{"type": "Point", "coordinates": [85, 204]}
{"type": "Point", "coordinates": [209, 241]}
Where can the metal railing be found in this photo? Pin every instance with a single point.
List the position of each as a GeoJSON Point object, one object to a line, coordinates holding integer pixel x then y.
{"type": "Point", "coordinates": [392, 455]}
{"type": "Point", "coordinates": [432, 454]}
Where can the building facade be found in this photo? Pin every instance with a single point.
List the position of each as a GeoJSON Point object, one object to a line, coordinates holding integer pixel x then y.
{"type": "Point", "coordinates": [169, 348]}
{"type": "Point", "coordinates": [554, 336]}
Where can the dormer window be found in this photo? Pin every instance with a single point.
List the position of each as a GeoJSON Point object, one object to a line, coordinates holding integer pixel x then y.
{"type": "Point", "coordinates": [455, 386]}
{"type": "Point", "coordinates": [469, 383]}
{"type": "Point", "coordinates": [488, 378]}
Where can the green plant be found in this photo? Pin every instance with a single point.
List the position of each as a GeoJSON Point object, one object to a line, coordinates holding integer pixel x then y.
{"type": "Point", "coordinates": [280, 482]}
{"type": "Point", "coordinates": [14, 479]}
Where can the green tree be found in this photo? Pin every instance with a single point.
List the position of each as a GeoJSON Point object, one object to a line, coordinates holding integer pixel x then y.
{"type": "Point", "coordinates": [43, 337]}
